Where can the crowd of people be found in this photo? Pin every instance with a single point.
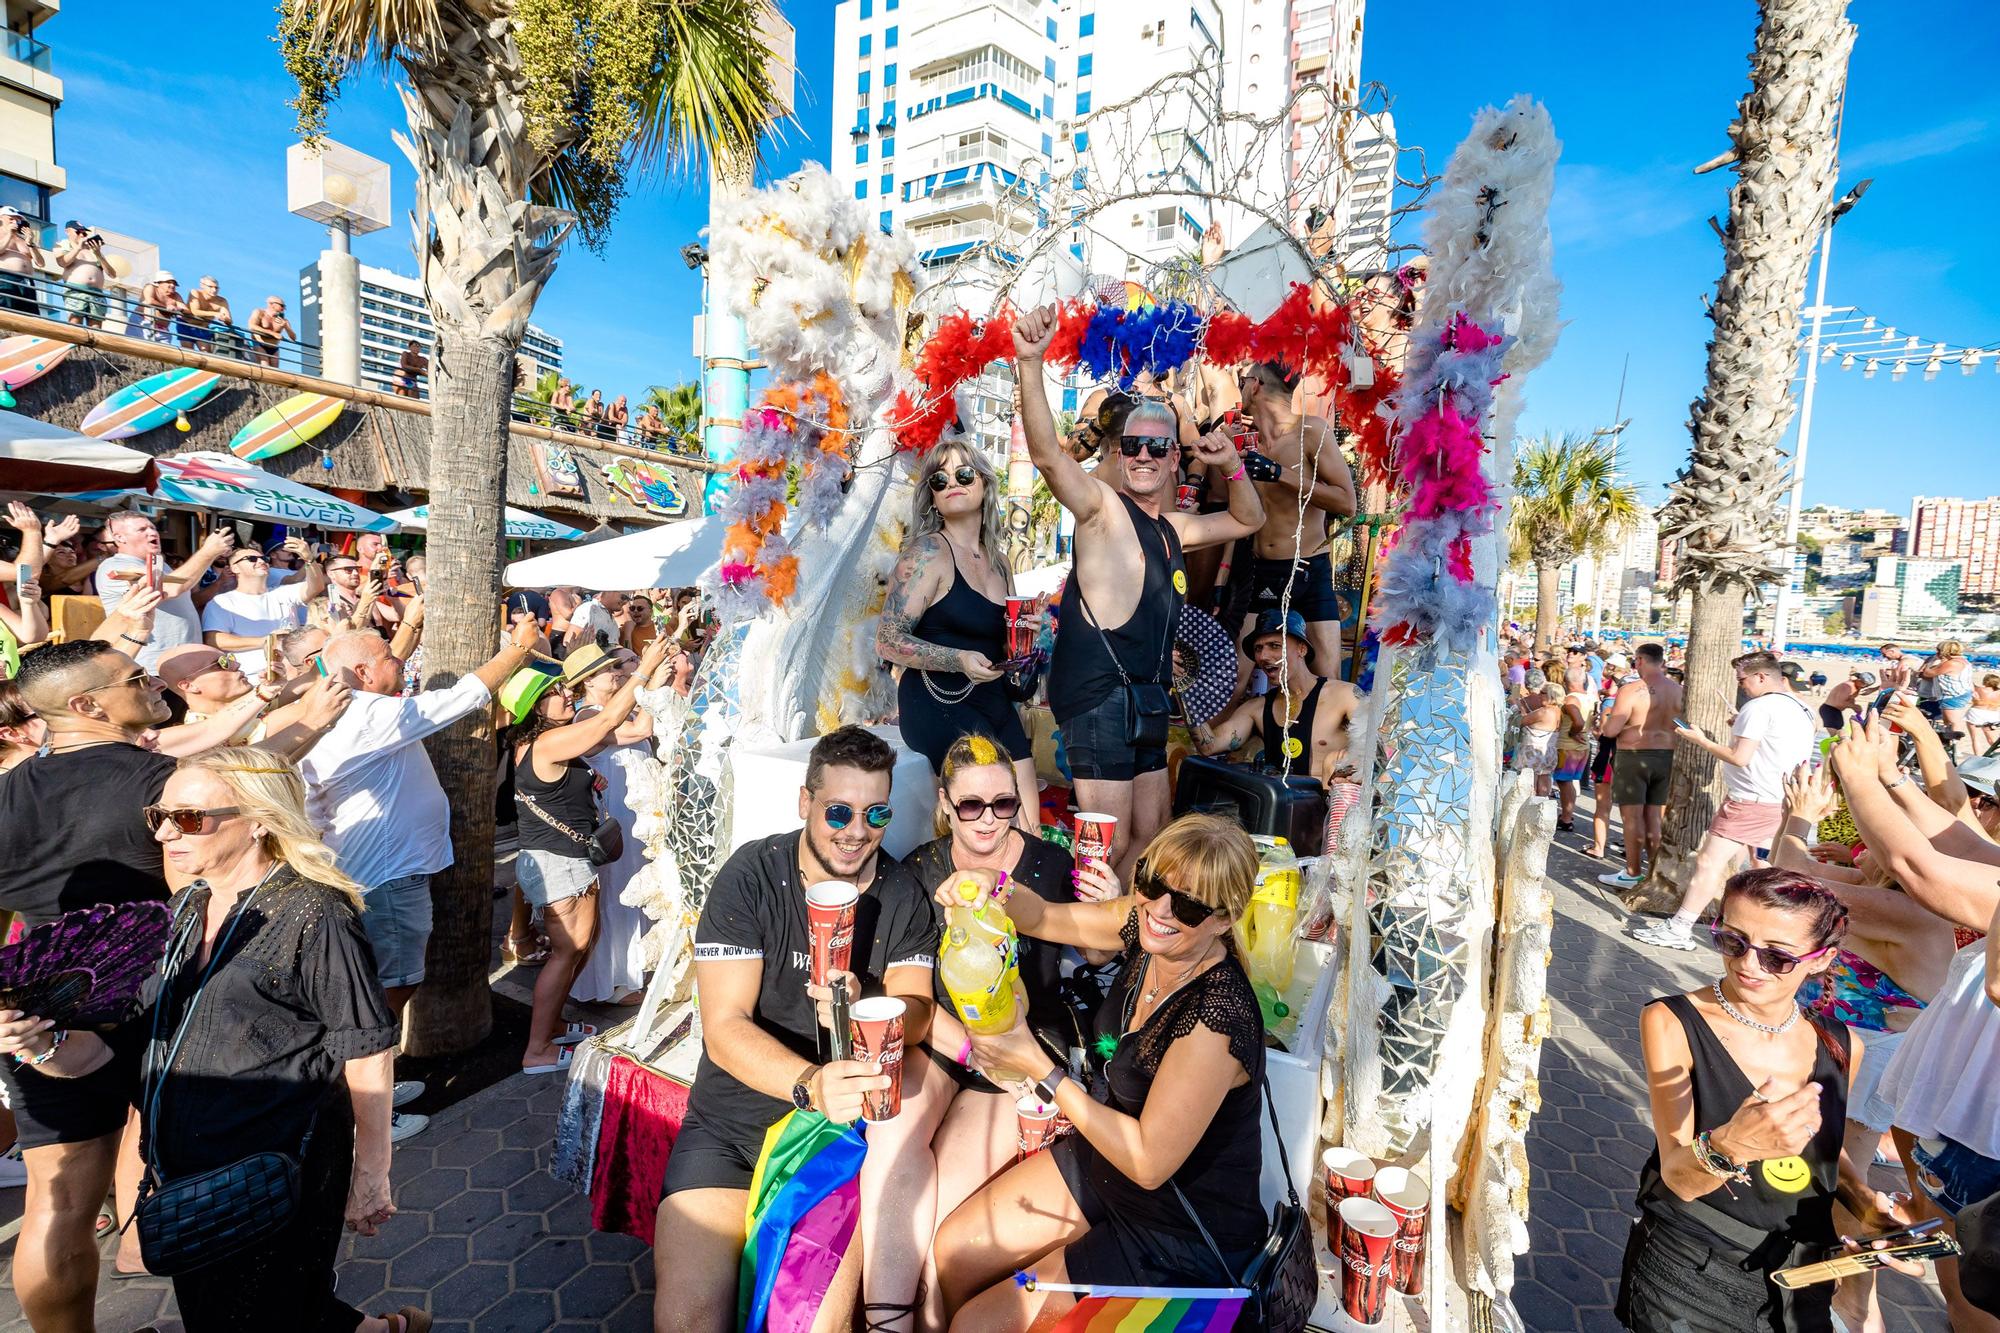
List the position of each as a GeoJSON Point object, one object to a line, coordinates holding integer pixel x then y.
{"type": "Point", "coordinates": [591, 415]}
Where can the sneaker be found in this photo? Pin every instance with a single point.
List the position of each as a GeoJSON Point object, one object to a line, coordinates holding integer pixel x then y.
{"type": "Point", "coordinates": [13, 1171]}
{"type": "Point", "coordinates": [406, 1091]}
{"type": "Point", "coordinates": [405, 1126]}
{"type": "Point", "coordinates": [1666, 935]}
{"type": "Point", "coordinates": [1618, 879]}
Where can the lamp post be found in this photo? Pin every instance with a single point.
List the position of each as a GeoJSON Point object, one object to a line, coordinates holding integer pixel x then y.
{"type": "Point", "coordinates": [349, 192]}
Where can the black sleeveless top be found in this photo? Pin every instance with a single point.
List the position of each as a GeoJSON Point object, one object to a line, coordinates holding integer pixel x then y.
{"type": "Point", "coordinates": [962, 619]}
{"type": "Point", "coordinates": [1789, 1197]}
{"type": "Point", "coordinates": [570, 799]}
{"type": "Point", "coordinates": [1300, 732]}
{"type": "Point", "coordinates": [1082, 673]}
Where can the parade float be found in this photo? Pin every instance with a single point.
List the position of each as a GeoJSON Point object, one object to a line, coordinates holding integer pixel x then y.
{"type": "Point", "coordinates": [1430, 1005]}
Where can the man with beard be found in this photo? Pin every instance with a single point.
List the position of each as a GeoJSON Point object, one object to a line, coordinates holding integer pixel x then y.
{"type": "Point", "coordinates": [1113, 653]}
{"type": "Point", "coordinates": [763, 1049]}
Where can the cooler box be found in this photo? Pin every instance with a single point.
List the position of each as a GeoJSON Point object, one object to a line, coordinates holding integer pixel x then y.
{"type": "Point", "coordinates": [1265, 802]}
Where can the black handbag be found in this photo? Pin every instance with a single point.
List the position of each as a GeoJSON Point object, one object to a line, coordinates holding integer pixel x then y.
{"type": "Point", "coordinates": [1148, 710]}
{"type": "Point", "coordinates": [200, 1220]}
{"type": "Point", "coordinates": [1283, 1277]}
{"type": "Point", "coordinates": [605, 844]}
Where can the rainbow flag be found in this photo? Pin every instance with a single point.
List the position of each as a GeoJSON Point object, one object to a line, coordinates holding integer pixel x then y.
{"type": "Point", "coordinates": [1165, 1313]}
{"type": "Point", "coordinates": [805, 1203]}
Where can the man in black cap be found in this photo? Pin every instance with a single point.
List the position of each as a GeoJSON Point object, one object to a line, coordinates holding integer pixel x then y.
{"type": "Point", "coordinates": [1302, 719]}
{"type": "Point", "coordinates": [84, 269]}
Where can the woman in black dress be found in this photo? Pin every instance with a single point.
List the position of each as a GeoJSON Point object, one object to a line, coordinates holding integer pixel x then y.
{"type": "Point", "coordinates": [1117, 1201]}
{"type": "Point", "coordinates": [269, 1033]}
{"type": "Point", "coordinates": [1749, 1102]}
{"type": "Point", "coordinates": [945, 620]}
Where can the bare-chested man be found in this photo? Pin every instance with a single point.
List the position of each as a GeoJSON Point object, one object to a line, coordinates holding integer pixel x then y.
{"type": "Point", "coordinates": [1313, 484]}
{"type": "Point", "coordinates": [1641, 720]}
{"type": "Point", "coordinates": [81, 259]}
{"type": "Point", "coordinates": [1114, 642]}
{"type": "Point", "coordinates": [1301, 709]}
{"type": "Point", "coordinates": [20, 256]}
{"type": "Point", "coordinates": [268, 328]}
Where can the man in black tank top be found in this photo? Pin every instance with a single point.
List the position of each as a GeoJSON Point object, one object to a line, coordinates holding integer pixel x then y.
{"type": "Point", "coordinates": [1302, 719]}
{"type": "Point", "coordinates": [1125, 592]}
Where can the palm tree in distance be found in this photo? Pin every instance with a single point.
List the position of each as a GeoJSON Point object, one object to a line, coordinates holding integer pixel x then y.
{"type": "Point", "coordinates": [1568, 501]}
{"type": "Point", "coordinates": [539, 401]}
{"type": "Point", "coordinates": [680, 408]}
{"type": "Point", "coordinates": [524, 119]}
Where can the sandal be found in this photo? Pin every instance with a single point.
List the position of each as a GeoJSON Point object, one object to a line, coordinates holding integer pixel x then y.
{"type": "Point", "coordinates": [891, 1318]}
{"type": "Point", "coordinates": [513, 954]}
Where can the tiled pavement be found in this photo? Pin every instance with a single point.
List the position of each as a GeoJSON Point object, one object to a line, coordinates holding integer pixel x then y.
{"type": "Point", "coordinates": [488, 1241]}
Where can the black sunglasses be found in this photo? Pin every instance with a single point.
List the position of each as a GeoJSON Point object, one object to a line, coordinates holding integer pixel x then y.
{"type": "Point", "coordinates": [971, 809]}
{"type": "Point", "coordinates": [1187, 909]}
{"type": "Point", "coordinates": [186, 821]}
{"type": "Point", "coordinates": [965, 474]}
{"type": "Point", "coordinates": [1734, 944]}
{"type": "Point", "coordinates": [839, 814]}
{"type": "Point", "coordinates": [1130, 445]}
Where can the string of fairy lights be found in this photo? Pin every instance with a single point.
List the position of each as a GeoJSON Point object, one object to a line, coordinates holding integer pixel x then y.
{"type": "Point", "coordinates": [1853, 339]}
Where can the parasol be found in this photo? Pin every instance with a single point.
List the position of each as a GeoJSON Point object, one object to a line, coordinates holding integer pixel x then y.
{"type": "Point", "coordinates": [1204, 665]}
{"type": "Point", "coordinates": [44, 459]}
{"type": "Point", "coordinates": [225, 484]}
{"type": "Point", "coordinates": [520, 524]}
{"type": "Point", "coordinates": [673, 555]}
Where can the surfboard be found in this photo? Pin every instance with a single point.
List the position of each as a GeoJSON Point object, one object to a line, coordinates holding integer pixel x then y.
{"type": "Point", "coordinates": [153, 401]}
{"type": "Point", "coordinates": [25, 358]}
{"type": "Point", "coordinates": [286, 426]}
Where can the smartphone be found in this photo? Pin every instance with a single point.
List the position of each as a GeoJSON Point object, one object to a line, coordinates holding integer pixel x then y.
{"type": "Point", "coordinates": [1680, 724]}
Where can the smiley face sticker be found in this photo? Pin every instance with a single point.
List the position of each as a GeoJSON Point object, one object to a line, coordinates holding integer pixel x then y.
{"type": "Point", "coordinates": [1787, 1175]}
{"type": "Point", "coordinates": [1180, 582]}
{"type": "Point", "coordinates": [1293, 747]}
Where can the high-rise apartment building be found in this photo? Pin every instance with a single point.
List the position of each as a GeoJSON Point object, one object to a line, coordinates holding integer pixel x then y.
{"type": "Point", "coordinates": [1965, 531]}
{"type": "Point", "coordinates": [392, 314]}
{"type": "Point", "coordinates": [30, 92]}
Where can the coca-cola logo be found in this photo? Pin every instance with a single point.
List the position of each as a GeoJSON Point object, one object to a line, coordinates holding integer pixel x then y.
{"type": "Point", "coordinates": [1360, 1264]}
{"type": "Point", "coordinates": [1410, 1244]}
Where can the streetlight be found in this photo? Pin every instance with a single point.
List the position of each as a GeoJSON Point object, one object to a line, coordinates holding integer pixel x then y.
{"type": "Point", "coordinates": [348, 191]}
{"type": "Point", "coordinates": [1781, 614]}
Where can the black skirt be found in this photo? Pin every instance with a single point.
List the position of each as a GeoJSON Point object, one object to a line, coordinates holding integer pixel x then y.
{"type": "Point", "coordinates": [1680, 1280]}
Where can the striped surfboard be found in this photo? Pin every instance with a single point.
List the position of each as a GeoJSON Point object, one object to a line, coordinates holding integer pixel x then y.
{"type": "Point", "coordinates": [153, 401]}
{"type": "Point", "coordinates": [25, 358]}
{"type": "Point", "coordinates": [286, 426]}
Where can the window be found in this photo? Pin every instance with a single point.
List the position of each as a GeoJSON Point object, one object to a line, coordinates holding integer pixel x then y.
{"type": "Point", "coordinates": [861, 187]}
{"type": "Point", "coordinates": [1048, 67]}
{"type": "Point", "coordinates": [860, 152]}
{"type": "Point", "coordinates": [886, 218]}
{"type": "Point", "coordinates": [867, 45]}
{"type": "Point", "coordinates": [861, 84]}
{"type": "Point", "coordinates": [1083, 64]}
{"type": "Point", "coordinates": [1052, 29]}
{"type": "Point", "coordinates": [888, 147]}
{"type": "Point", "coordinates": [888, 76]}
{"type": "Point", "coordinates": [1163, 225]}
{"type": "Point", "coordinates": [1083, 104]}
{"type": "Point", "coordinates": [1085, 26]}
{"type": "Point", "coordinates": [888, 182]}
{"type": "Point", "coordinates": [867, 9]}
{"type": "Point", "coordinates": [889, 39]}
{"type": "Point", "coordinates": [1048, 148]}
{"type": "Point", "coordinates": [1082, 138]}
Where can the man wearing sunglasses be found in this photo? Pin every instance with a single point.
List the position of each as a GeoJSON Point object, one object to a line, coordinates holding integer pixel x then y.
{"type": "Point", "coordinates": [72, 835]}
{"type": "Point", "coordinates": [242, 620]}
{"type": "Point", "coordinates": [1302, 719]}
{"type": "Point", "coordinates": [766, 1049]}
{"type": "Point", "coordinates": [1113, 653]}
{"type": "Point", "coordinates": [291, 719]}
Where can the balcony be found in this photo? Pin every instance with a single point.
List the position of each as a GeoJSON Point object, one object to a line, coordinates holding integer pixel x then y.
{"type": "Point", "coordinates": [28, 51]}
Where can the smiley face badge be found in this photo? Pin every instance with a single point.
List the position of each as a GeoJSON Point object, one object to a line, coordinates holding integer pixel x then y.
{"type": "Point", "coordinates": [1787, 1175]}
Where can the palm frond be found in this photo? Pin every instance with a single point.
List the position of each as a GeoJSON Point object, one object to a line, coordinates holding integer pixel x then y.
{"type": "Point", "coordinates": [713, 96]}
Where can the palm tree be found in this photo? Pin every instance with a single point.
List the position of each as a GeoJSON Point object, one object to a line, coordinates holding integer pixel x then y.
{"type": "Point", "coordinates": [524, 117]}
{"type": "Point", "coordinates": [539, 400]}
{"type": "Point", "coordinates": [1726, 508]}
{"type": "Point", "coordinates": [1568, 500]}
{"type": "Point", "coordinates": [680, 408]}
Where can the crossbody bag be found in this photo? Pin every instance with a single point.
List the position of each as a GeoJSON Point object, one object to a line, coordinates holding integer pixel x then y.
{"type": "Point", "coordinates": [604, 843]}
{"type": "Point", "coordinates": [1148, 708]}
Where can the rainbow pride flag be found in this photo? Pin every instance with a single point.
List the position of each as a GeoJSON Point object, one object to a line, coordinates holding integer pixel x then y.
{"type": "Point", "coordinates": [805, 1203]}
{"type": "Point", "coordinates": [1188, 1312]}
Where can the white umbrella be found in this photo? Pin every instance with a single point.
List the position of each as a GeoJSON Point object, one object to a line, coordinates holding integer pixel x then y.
{"type": "Point", "coordinates": [226, 484]}
{"type": "Point", "coordinates": [673, 555]}
{"type": "Point", "coordinates": [520, 523]}
{"type": "Point", "coordinates": [40, 458]}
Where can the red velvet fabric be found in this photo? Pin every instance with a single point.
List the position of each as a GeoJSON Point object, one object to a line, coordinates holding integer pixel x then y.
{"type": "Point", "coordinates": [642, 1117]}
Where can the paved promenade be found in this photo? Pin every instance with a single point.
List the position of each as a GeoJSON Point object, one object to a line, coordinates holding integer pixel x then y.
{"type": "Point", "coordinates": [488, 1241]}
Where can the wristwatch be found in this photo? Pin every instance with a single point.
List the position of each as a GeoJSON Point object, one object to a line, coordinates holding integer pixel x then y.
{"type": "Point", "coordinates": [1046, 1089]}
{"type": "Point", "coordinates": [802, 1090]}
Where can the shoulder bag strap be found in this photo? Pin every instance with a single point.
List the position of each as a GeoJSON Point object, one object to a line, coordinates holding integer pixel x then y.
{"type": "Point", "coordinates": [1284, 1161]}
{"type": "Point", "coordinates": [1090, 619]}
{"type": "Point", "coordinates": [548, 818]}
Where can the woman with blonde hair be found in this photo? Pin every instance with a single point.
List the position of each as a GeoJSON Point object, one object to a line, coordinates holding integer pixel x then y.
{"type": "Point", "coordinates": [1136, 1195]}
{"type": "Point", "coordinates": [945, 620]}
{"type": "Point", "coordinates": [1950, 674]}
{"type": "Point", "coordinates": [269, 1033]}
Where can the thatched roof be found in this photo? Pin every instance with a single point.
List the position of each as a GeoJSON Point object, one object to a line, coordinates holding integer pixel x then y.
{"type": "Point", "coordinates": [371, 449]}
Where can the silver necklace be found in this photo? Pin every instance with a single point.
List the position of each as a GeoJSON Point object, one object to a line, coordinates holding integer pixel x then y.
{"type": "Point", "coordinates": [1772, 1029]}
{"type": "Point", "coordinates": [1153, 991]}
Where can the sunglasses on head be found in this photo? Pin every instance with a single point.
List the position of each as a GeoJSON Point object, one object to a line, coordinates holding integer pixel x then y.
{"type": "Point", "coordinates": [971, 809]}
{"type": "Point", "coordinates": [1734, 944]}
{"type": "Point", "coordinates": [839, 814]}
{"type": "Point", "coordinates": [964, 474]}
{"type": "Point", "coordinates": [185, 821]}
{"type": "Point", "coordinates": [1187, 909]}
{"type": "Point", "coordinates": [1130, 445]}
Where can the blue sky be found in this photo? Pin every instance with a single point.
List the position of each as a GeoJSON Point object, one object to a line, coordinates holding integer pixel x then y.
{"type": "Point", "coordinates": [176, 132]}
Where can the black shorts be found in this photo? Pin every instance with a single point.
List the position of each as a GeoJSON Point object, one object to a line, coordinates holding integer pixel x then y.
{"type": "Point", "coordinates": [1310, 580]}
{"type": "Point", "coordinates": [1096, 742]}
{"type": "Point", "coordinates": [1115, 1252]}
{"type": "Point", "coordinates": [710, 1159]}
{"type": "Point", "coordinates": [1641, 777]}
{"type": "Point", "coordinates": [50, 1110]}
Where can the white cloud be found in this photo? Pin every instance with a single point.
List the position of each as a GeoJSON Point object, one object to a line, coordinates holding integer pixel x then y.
{"type": "Point", "coordinates": [1937, 141]}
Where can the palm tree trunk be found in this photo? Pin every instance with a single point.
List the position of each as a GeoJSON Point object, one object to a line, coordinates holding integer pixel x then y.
{"type": "Point", "coordinates": [1548, 608]}
{"type": "Point", "coordinates": [1715, 638]}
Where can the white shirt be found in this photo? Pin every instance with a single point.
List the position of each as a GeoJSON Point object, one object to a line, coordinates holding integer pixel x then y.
{"type": "Point", "coordinates": [594, 618]}
{"type": "Point", "coordinates": [371, 786]}
{"type": "Point", "coordinates": [1785, 732]}
{"type": "Point", "coordinates": [1944, 1079]}
{"type": "Point", "coordinates": [254, 615]}
{"type": "Point", "coordinates": [175, 622]}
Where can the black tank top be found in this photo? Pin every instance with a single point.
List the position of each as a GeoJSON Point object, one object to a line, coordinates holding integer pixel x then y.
{"type": "Point", "coordinates": [571, 799]}
{"type": "Point", "coordinates": [963, 619]}
{"type": "Point", "coordinates": [1082, 673]}
{"type": "Point", "coordinates": [1789, 1196]}
{"type": "Point", "coordinates": [1298, 737]}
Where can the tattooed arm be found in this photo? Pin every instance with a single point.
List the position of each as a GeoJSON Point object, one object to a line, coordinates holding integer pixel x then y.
{"type": "Point", "coordinates": [922, 576]}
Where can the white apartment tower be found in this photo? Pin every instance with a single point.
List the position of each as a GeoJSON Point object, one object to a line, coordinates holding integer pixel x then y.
{"type": "Point", "coordinates": [393, 313]}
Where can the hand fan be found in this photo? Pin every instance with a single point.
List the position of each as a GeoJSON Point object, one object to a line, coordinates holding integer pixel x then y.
{"type": "Point", "coordinates": [85, 968]}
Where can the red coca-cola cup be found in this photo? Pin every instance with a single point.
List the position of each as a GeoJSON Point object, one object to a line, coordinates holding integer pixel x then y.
{"type": "Point", "coordinates": [830, 927]}
{"type": "Point", "coordinates": [1349, 1174]}
{"type": "Point", "coordinates": [1367, 1255]}
{"type": "Point", "coordinates": [1020, 627]}
{"type": "Point", "coordinates": [1186, 497]}
{"type": "Point", "coordinates": [1407, 1196]}
{"type": "Point", "coordinates": [1094, 836]}
{"type": "Point", "coordinates": [1034, 1125]}
{"type": "Point", "coordinates": [876, 1028]}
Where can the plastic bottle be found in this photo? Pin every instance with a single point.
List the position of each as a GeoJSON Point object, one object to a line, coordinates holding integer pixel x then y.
{"type": "Point", "coordinates": [977, 961]}
{"type": "Point", "coordinates": [1265, 932]}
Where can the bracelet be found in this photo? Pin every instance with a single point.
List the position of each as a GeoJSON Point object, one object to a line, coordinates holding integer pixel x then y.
{"type": "Point", "coordinates": [965, 1053]}
{"type": "Point", "coordinates": [1237, 475]}
{"type": "Point", "coordinates": [1716, 1162]}
{"type": "Point", "coordinates": [1902, 780]}
{"type": "Point", "coordinates": [56, 1039]}
{"type": "Point", "coordinates": [131, 638]}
